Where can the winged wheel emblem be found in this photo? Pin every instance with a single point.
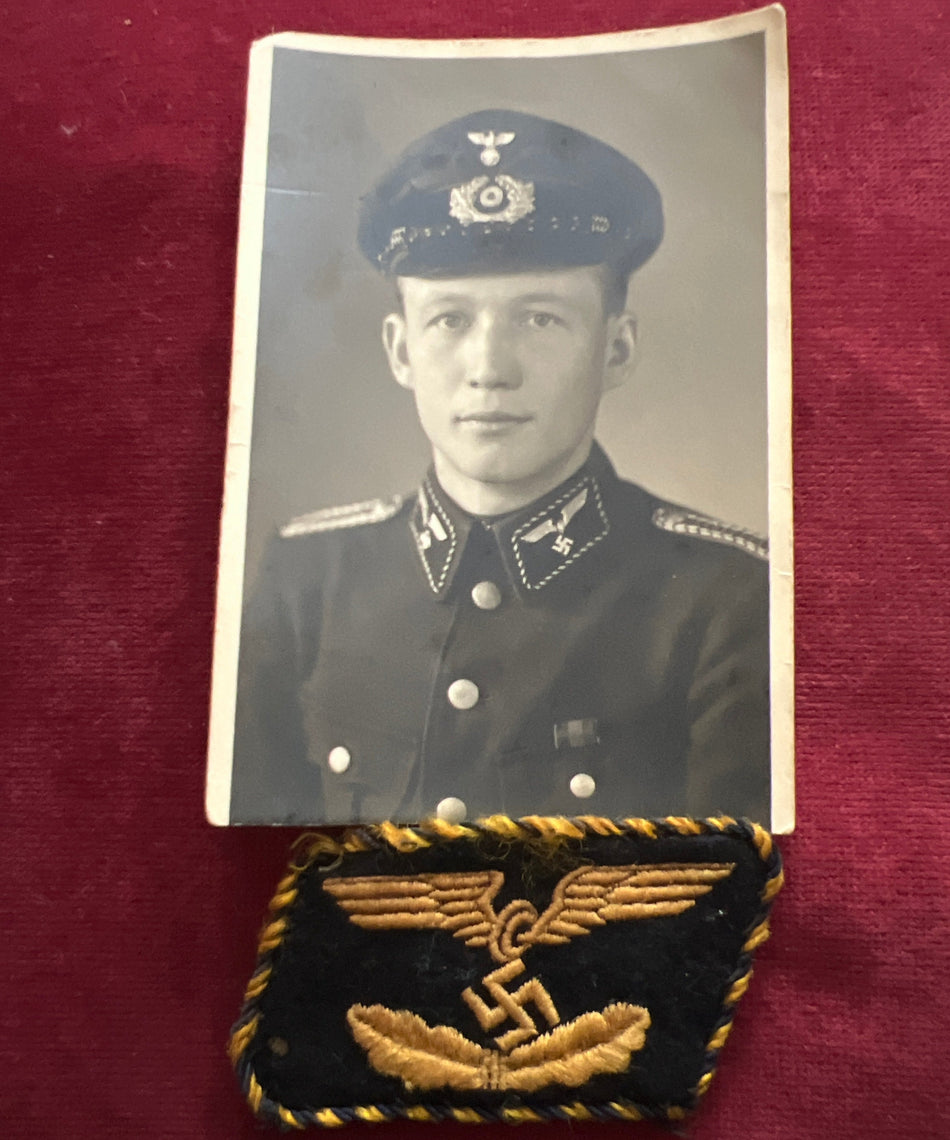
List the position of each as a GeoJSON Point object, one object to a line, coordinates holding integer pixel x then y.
{"type": "Point", "coordinates": [399, 1043]}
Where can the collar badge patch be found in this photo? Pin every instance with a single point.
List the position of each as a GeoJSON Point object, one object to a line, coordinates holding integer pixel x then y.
{"type": "Point", "coordinates": [510, 970]}
{"type": "Point", "coordinates": [435, 536]}
{"type": "Point", "coordinates": [559, 533]}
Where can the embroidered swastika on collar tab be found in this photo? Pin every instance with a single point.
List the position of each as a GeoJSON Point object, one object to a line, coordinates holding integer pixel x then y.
{"type": "Point", "coordinates": [559, 533]}
{"type": "Point", "coordinates": [529, 964]}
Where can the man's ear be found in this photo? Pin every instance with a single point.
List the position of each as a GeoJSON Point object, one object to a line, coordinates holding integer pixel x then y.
{"type": "Point", "coordinates": [397, 349]}
{"type": "Point", "coordinates": [621, 349]}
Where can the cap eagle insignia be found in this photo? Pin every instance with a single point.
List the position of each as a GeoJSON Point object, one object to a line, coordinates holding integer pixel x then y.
{"type": "Point", "coordinates": [401, 1044]}
{"type": "Point", "coordinates": [497, 199]}
{"type": "Point", "coordinates": [491, 141]}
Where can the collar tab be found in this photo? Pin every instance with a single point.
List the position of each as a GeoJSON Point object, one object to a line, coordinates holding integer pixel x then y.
{"type": "Point", "coordinates": [438, 536]}
{"type": "Point", "coordinates": [558, 531]}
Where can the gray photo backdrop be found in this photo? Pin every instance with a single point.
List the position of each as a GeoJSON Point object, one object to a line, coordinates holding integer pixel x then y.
{"type": "Point", "coordinates": [331, 426]}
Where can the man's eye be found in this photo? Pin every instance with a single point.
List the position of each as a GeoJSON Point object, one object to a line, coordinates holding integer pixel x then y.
{"type": "Point", "coordinates": [449, 322]}
{"type": "Point", "coordinates": [541, 320]}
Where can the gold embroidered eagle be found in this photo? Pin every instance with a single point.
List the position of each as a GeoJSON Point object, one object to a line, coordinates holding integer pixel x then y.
{"type": "Point", "coordinates": [399, 1043]}
{"type": "Point", "coordinates": [462, 902]}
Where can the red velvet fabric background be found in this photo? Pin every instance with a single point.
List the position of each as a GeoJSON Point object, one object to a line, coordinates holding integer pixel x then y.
{"type": "Point", "coordinates": [128, 924]}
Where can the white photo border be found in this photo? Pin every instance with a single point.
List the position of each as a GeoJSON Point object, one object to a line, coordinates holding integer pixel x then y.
{"type": "Point", "coordinates": [230, 588]}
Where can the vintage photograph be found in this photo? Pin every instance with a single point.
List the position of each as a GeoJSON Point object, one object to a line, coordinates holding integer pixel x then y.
{"type": "Point", "coordinates": [507, 519]}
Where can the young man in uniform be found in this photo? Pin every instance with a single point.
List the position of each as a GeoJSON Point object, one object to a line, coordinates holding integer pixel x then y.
{"type": "Point", "coordinates": [526, 633]}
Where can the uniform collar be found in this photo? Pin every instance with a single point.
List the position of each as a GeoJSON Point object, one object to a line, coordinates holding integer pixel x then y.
{"type": "Point", "coordinates": [538, 544]}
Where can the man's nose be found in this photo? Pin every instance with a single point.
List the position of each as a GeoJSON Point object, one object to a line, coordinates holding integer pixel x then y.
{"type": "Point", "coordinates": [490, 360]}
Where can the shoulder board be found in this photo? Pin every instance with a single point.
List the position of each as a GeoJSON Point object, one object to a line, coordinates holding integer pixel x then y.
{"type": "Point", "coordinates": [680, 521]}
{"type": "Point", "coordinates": [339, 518]}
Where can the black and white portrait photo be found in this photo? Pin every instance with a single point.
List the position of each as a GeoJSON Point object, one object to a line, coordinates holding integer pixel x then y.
{"type": "Point", "coordinates": [507, 522]}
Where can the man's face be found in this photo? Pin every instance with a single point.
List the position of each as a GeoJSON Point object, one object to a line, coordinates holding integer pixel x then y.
{"type": "Point", "coordinates": [508, 372]}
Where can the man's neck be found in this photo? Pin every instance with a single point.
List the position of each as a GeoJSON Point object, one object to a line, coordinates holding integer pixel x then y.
{"type": "Point", "coordinates": [491, 499]}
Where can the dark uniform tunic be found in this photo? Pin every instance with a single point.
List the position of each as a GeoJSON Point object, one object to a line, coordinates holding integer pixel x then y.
{"type": "Point", "coordinates": [599, 652]}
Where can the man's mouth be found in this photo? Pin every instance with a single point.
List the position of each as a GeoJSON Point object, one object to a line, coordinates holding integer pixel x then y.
{"type": "Point", "coordinates": [492, 418]}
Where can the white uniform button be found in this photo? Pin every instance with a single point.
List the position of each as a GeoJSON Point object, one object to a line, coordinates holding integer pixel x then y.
{"type": "Point", "coordinates": [486, 596]}
{"type": "Point", "coordinates": [583, 785]}
{"type": "Point", "coordinates": [339, 759]}
{"type": "Point", "coordinates": [451, 809]}
{"type": "Point", "coordinates": [462, 694]}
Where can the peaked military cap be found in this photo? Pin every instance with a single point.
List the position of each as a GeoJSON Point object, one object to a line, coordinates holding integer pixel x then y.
{"type": "Point", "coordinates": [499, 191]}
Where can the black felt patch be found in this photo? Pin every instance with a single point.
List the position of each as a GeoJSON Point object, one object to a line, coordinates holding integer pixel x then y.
{"type": "Point", "coordinates": [542, 969]}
